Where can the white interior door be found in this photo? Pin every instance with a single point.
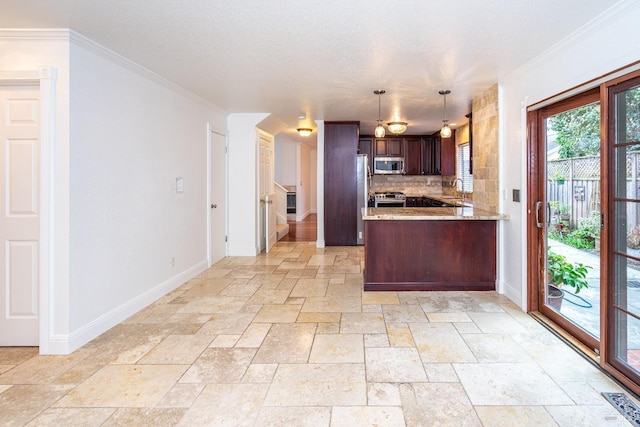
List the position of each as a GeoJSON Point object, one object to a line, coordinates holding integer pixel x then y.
{"type": "Point", "coordinates": [19, 215]}
{"type": "Point", "coordinates": [268, 235]}
{"type": "Point", "coordinates": [218, 198]}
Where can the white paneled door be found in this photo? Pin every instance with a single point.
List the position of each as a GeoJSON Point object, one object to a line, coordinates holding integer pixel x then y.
{"type": "Point", "coordinates": [268, 232]}
{"type": "Point", "coordinates": [218, 207]}
{"type": "Point", "coordinates": [19, 215]}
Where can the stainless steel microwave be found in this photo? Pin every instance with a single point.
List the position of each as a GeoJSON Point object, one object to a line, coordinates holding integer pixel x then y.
{"type": "Point", "coordinates": [388, 165]}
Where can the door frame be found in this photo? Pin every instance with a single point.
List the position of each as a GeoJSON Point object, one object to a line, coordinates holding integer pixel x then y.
{"type": "Point", "coordinates": [536, 265]}
{"type": "Point", "coordinates": [45, 78]}
{"type": "Point", "coordinates": [211, 130]}
{"type": "Point", "coordinates": [536, 240]}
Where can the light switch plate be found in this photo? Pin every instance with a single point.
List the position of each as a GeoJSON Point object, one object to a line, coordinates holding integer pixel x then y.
{"type": "Point", "coordinates": [516, 195]}
{"type": "Point", "coordinates": [179, 184]}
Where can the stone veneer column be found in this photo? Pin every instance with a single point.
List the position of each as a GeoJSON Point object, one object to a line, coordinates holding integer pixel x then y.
{"type": "Point", "coordinates": [485, 150]}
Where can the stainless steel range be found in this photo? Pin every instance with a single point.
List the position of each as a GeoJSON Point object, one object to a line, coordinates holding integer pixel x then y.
{"type": "Point", "coordinates": [390, 199]}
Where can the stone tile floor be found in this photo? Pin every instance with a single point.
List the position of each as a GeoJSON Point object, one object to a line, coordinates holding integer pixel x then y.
{"type": "Point", "coordinates": [290, 339]}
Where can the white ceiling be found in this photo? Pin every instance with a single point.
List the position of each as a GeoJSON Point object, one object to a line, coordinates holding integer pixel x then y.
{"type": "Point", "coordinates": [323, 58]}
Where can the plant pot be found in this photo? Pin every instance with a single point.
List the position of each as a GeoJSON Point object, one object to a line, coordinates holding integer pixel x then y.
{"type": "Point", "coordinates": [555, 296]}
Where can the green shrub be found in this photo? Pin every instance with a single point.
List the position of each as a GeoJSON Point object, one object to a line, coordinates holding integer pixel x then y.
{"type": "Point", "coordinates": [562, 272]}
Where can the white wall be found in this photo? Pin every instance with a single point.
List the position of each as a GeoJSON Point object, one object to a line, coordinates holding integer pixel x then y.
{"type": "Point", "coordinates": [605, 44]}
{"type": "Point", "coordinates": [243, 180]}
{"type": "Point", "coordinates": [122, 135]}
{"type": "Point", "coordinates": [286, 160]}
{"type": "Point", "coordinates": [131, 136]}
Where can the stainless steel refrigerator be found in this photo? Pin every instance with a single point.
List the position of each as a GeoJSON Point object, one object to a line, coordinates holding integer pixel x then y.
{"type": "Point", "coordinates": [362, 171]}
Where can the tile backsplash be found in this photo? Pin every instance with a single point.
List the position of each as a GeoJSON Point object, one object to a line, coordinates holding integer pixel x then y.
{"type": "Point", "coordinates": [410, 185]}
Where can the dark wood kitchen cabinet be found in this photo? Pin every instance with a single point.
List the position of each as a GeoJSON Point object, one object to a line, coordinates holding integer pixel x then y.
{"type": "Point", "coordinates": [340, 185]}
{"type": "Point", "coordinates": [448, 155]}
{"type": "Point", "coordinates": [365, 146]}
{"type": "Point", "coordinates": [390, 147]}
{"type": "Point", "coordinates": [413, 156]}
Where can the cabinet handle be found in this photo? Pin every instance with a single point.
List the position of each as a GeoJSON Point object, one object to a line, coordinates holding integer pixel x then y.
{"type": "Point", "coordinates": [213, 206]}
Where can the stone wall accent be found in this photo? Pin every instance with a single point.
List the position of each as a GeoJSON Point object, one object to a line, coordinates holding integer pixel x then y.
{"type": "Point", "coordinates": [485, 150]}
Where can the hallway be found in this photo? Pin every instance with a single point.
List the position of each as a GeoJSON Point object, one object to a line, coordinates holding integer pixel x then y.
{"type": "Point", "coordinates": [289, 338]}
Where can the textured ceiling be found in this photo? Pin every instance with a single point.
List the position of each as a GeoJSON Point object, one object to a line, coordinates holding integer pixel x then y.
{"type": "Point", "coordinates": [323, 58]}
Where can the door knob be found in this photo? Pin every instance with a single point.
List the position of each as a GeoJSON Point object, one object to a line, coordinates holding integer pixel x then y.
{"type": "Point", "coordinates": [213, 206]}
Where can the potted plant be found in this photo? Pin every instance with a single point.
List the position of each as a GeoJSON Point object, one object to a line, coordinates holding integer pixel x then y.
{"type": "Point", "coordinates": [561, 273]}
{"type": "Point", "coordinates": [591, 226]}
{"type": "Point", "coordinates": [559, 178]}
{"type": "Point", "coordinates": [565, 214]}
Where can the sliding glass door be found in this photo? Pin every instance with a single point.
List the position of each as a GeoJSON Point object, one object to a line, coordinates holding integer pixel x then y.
{"type": "Point", "coordinates": [623, 311]}
{"type": "Point", "coordinates": [569, 215]}
{"type": "Point", "coordinates": [584, 227]}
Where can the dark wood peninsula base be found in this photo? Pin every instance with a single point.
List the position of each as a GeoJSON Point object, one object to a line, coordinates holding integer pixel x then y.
{"type": "Point", "coordinates": [430, 255]}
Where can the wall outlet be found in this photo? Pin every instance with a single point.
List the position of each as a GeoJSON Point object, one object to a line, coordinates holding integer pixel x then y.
{"type": "Point", "coordinates": [172, 262]}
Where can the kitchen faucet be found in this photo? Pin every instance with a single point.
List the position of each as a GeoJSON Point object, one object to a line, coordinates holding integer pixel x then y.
{"type": "Point", "coordinates": [453, 184]}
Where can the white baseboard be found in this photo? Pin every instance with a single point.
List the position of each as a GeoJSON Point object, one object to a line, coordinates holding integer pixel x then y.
{"type": "Point", "coordinates": [66, 344]}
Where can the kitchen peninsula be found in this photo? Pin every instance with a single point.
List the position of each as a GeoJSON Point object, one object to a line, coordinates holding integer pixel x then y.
{"type": "Point", "coordinates": [435, 249]}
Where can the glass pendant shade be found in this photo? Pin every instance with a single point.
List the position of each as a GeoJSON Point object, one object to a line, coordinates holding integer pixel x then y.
{"type": "Point", "coordinates": [397, 127]}
{"type": "Point", "coordinates": [445, 132]}
{"type": "Point", "coordinates": [379, 131]}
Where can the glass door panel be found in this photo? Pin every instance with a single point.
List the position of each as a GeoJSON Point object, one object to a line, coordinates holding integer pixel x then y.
{"type": "Point", "coordinates": [624, 307]}
{"type": "Point", "coordinates": [571, 295]}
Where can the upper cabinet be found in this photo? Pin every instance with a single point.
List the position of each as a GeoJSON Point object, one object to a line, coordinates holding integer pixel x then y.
{"type": "Point", "coordinates": [390, 147]}
{"type": "Point", "coordinates": [423, 155]}
{"type": "Point", "coordinates": [448, 155]}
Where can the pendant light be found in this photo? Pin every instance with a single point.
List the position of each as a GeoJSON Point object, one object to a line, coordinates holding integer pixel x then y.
{"type": "Point", "coordinates": [445, 132]}
{"type": "Point", "coordinates": [379, 132]}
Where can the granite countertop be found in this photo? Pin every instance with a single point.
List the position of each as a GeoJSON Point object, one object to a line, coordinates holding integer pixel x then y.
{"type": "Point", "coordinates": [421, 214]}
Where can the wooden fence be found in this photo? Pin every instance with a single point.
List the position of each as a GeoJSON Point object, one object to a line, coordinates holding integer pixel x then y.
{"type": "Point", "coordinates": [580, 189]}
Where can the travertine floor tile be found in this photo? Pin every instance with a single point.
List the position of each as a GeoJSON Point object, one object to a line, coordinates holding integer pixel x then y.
{"type": "Point", "coordinates": [285, 313]}
{"type": "Point", "coordinates": [337, 348]}
{"type": "Point", "coordinates": [493, 384]}
{"type": "Point", "coordinates": [440, 343]}
{"type": "Point", "coordinates": [362, 323]}
{"type": "Point", "coordinates": [394, 365]}
{"type": "Point", "coordinates": [226, 323]}
{"type": "Point", "coordinates": [289, 338]}
{"type": "Point", "coordinates": [21, 403]}
{"type": "Point", "coordinates": [125, 386]}
{"type": "Point", "coordinates": [507, 416]}
{"type": "Point", "coordinates": [332, 304]}
{"type": "Point", "coordinates": [177, 350]}
{"type": "Point", "coordinates": [226, 404]}
{"type": "Point", "coordinates": [380, 298]}
{"type": "Point", "coordinates": [287, 343]}
{"type": "Point", "coordinates": [318, 385]}
{"type": "Point", "coordinates": [437, 404]}
{"type": "Point", "coordinates": [294, 416]}
{"type": "Point", "coordinates": [157, 417]}
{"type": "Point", "coordinates": [56, 417]}
{"type": "Point", "coordinates": [383, 394]}
{"type": "Point", "coordinates": [397, 313]}
{"type": "Point", "coordinates": [367, 416]}
{"type": "Point", "coordinates": [219, 365]}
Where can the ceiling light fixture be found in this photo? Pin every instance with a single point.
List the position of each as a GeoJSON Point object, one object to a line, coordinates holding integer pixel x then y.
{"type": "Point", "coordinates": [397, 127]}
{"type": "Point", "coordinates": [305, 131]}
{"type": "Point", "coordinates": [445, 132]}
{"type": "Point", "coordinates": [379, 132]}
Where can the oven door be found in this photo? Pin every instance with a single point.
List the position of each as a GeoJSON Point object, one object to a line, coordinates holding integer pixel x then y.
{"type": "Point", "coordinates": [390, 203]}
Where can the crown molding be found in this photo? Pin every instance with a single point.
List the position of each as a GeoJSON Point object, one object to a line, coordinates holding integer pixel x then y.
{"type": "Point", "coordinates": [34, 33]}
{"type": "Point", "coordinates": [112, 56]}
{"type": "Point", "coordinates": [78, 39]}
